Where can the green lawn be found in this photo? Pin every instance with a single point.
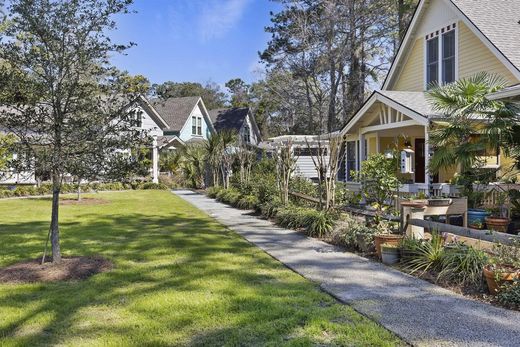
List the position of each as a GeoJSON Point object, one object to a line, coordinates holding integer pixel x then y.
{"type": "Point", "coordinates": [180, 278]}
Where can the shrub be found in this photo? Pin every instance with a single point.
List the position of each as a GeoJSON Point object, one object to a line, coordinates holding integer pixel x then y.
{"type": "Point", "coordinates": [319, 223]}
{"type": "Point", "coordinates": [247, 202]}
{"type": "Point", "coordinates": [168, 181]}
{"type": "Point", "coordinates": [213, 191]}
{"type": "Point", "coordinates": [303, 185]}
{"type": "Point", "coordinates": [353, 234]}
{"type": "Point", "coordinates": [463, 265]}
{"type": "Point", "coordinates": [423, 255]}
{"type": "Point", "coordinates": [157, 186]}
{"type": "Point", "coordinates": [509, 294]}
{"type": "Point", "coordinates": [269, 209]}
{"type": "Point", "coordinates": [291, 217]}
{"type": "Point", "coordinates": [228, 196]}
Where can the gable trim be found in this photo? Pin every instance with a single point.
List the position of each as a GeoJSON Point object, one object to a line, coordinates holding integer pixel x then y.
{"type": "Point", "coordinates": [252, 120]}
{"type": "Point", "coordinates": [153, 113]}
{"type": "Point", "coordinates": [486, 41]}
{"type": "Point", "coordinates": [376, 96]}
{"type": "Point", "coordinates": [401, 54]}
{"type": "Point", "coordinates": [205, 115]}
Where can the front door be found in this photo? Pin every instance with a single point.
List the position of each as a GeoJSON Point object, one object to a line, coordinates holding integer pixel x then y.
{"type": "Point", "coordinates": [419, 161]}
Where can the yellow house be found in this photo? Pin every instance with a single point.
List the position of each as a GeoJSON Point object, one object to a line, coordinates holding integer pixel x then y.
{"type": "Point", "coordinates": [446, 40]}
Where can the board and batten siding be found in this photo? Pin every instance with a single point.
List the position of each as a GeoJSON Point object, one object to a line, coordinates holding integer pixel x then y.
{"type": "Point", "coordinates": [475, 57]}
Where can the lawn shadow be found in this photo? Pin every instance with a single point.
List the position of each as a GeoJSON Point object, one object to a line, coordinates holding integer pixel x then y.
{"type": "Point", "coordinates": [155, 255]}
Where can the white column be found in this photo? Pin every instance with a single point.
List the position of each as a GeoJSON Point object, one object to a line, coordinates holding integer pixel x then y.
{"type": "Point", "coordinates": [155, 161]}
{"type": "Point", "coordinates": [427, 158]}
{"type": "Point", "coordinates": [361, 149]}
{"type": "Point", "coordinates": [378, 143]}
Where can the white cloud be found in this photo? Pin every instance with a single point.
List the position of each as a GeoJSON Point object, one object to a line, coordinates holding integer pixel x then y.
{"type": "Point", "coordinates": [218, 17]}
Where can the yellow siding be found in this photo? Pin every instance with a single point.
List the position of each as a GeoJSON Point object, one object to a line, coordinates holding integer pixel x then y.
{"type": "Point", "coordinates": [386, 143]}
{"type": "Point", "coordinates": [475, 57]}
{"type": "Point", "coordinates": [411, 77]}
{"type": "Point", "coordinates": [447, 174]}
{"type": "Point", "coordinates": [372, 146]}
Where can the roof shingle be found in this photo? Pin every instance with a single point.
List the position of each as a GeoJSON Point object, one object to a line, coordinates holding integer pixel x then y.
{"type": "Point", "coordinates": [498, 21]}
{"type": "Point", "coordinates": [175, 111]}
{"type": "Point", "coordinates": [232, 118]}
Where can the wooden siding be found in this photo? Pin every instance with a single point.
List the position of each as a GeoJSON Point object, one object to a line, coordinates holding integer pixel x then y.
{"type": "Point", "coordinates": [411, 77]}
{"type": "Point", "coordinates": [475, 57]}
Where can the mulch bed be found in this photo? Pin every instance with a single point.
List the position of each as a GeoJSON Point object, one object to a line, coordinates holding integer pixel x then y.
{"type": "Point", "coordinates": [70, 268]}
{"type": "Point", "coordinates": [83, 201]}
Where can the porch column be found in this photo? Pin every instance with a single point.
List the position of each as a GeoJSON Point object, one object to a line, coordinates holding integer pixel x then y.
{"type": "Point", "coordinates": [155, 161]}
{"type": "Point", "coordinates": [361, 150]}
{"type": "Point", "coordinates": [427, 177]}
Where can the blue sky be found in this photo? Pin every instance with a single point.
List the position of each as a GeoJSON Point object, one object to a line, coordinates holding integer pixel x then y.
{"type": "Point", "coordinates": [194, 40]}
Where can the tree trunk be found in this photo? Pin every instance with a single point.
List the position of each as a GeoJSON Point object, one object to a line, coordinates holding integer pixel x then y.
{"type": "Point", "coordinates": [55, 232]}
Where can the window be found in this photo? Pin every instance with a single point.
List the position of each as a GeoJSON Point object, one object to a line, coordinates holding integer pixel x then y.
{"type": "Point", "coordinates": [196, 125]}
{"type": "Point", "coordinates": [136, 119]}
{"type": "Point", "coordinates": [441, 67]}
{"type": "Point", "coordinates": [351, 159]}
{"type": "Point", "coordinates": [432, 62]}
{"type": "Point", "coordinates": [448, 57]}
{"type": "Point", "coordinates": [247, 134]}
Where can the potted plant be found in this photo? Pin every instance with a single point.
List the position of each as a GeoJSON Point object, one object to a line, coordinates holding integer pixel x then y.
{"type": "Point", "coordinates": [476, 224]}
{"type": "Point", "coordinates": [387, 234]}
{"type": "Point", "coordinates": [503, 267]}
{"type": "Point", "coordinates": [390, 253]}
{"type": "Point", "coordinates": [499, 220]}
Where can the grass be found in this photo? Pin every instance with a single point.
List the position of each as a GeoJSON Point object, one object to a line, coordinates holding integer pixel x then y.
{"type": "Point", "coordinates": [180, 278]}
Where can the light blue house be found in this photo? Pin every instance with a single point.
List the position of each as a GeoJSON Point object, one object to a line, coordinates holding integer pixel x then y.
{"type": "Point", "coordinates": [187, 118]}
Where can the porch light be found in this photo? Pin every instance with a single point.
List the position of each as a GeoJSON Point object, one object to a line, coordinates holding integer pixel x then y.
{"type": "Point", "coordinates": [389, 154]}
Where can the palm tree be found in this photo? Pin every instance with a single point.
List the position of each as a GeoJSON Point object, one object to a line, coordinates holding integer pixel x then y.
{"type": "Point", "coordinates": [214, 151]}
{"type": "Point", "coordinates": [474, 125]}
{"type": "Point", "coordinates": [193, 163]}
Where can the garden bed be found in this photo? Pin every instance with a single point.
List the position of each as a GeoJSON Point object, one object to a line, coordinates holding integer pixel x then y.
{"type": "Point", "coordinates": [70, 268]}
{"type": "Point", "coordinates": [354, 235]}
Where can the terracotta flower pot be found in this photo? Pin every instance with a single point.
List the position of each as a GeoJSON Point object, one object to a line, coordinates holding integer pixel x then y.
{"type": "Point", "coordinates": [496, 280]}
{"type": "Point", "coordinates": [391, 239]}
{"type": "Point", "coordinates": [499, 224]}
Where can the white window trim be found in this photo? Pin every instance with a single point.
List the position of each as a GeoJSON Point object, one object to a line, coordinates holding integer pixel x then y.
{"type": "Point", "coordinates": [440, 68]}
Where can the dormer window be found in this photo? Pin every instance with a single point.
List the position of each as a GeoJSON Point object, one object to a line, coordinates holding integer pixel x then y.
{"type": "Point", "coordinates": [432, 62]}
{"type": "Point", "coordinates": [196, 125]}
{"type": "Point", "coordinates": [448, 57]}
{"type": "Point", "coordinates": [441, 56]}
{"type": "Point", "coordinates": [136, 119]}
{"type": "Point", "coordinates": [247, 134]}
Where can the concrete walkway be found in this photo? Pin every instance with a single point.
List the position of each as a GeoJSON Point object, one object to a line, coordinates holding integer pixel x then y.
{"type": "Point", "coordinates": [419, 312]}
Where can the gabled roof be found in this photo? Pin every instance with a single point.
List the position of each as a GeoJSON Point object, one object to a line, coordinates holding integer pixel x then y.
{"type": "Point", "coordinates": [414, 101]}
{"type": "Point", "coordinates": [498, 21]}
{"type": "Point", "coordinates": [511, 92]}
{"type": "Point", "coordinates": [495, 22]}
{"type": "Point", "coordinates": [231, 118]}
{"type": "Point", "coordinates": [175, 111]}
{"type": "Point", "coordinates": [413, 104]}
{"type": "Point", "coordinates": [168, 141]}
{"type": "Point", "coordinates": [152, 112]}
